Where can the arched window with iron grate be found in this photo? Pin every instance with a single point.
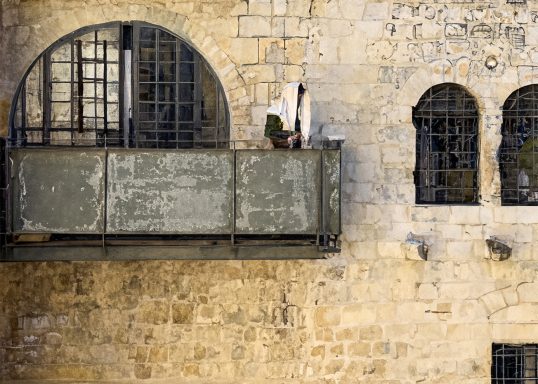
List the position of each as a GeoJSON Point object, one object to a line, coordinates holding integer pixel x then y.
{"type": "Point", "coordinates": [120, 85]}
{"type": "Point", "coordinates": [446, 120]}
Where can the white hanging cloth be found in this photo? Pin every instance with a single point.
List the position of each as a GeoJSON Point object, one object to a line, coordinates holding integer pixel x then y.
{"type": "Point", "coordinates": [294, 104]}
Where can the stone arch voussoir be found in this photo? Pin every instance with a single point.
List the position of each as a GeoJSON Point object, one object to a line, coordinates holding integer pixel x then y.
{"type": "Point", "coordinates": [438, 72]}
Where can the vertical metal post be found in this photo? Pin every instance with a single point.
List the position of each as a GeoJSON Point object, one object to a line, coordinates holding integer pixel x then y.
{"type": "Point", "coordinates": [340, 191]}
{"type": "Point", "coordinates": [177, 126]}
{"type": "Point", "coordinates": [197, 107]}
{"type": "Point", "coordinates": [23, 112]}
{"type": "Point", "coordinates": [126, 89]}
{"type": "Point", "coordinates": [105, 202]}
{"type": "Point", "coordinates": [80, 88]}
{"type": "Point", "coordinates": [95, 80]}
{"type": "Point", "coordinates": [323, 215]}
{"type": "Point", "coordinates": [133, 96]}
{"type": "Point", "coordinates": [5, 197]}
{"type": "Point", "coordinates": [105, 92]}
{"type": "Point", "coordinates": [217, 106]}
{"type": "Point", "coordinates": [157, 93]}
{"type": "Point", "coordinates": [234, 192]}
{"type": "Point", "coordinates": [127, 97]}
{"type": "Point", "coordinates": [72, 91]}
{"type": "Point", "coordinates": [46, 98]}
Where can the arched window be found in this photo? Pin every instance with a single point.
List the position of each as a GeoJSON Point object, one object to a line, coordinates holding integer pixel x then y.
{"type": "Point", "coordinates": [518, 155]}
{"type": "Point", "coordinates": [446, 119]}
{"type": "Point", "coordinates": [123, 85]}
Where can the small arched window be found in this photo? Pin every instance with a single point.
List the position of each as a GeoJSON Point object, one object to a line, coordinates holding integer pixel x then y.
{"type": "Point", "coordinates": [123, 85]}
{"type": "Point", "coordinates": [518, 155]}
{"type": "Point", "coordinates": [446, 120]}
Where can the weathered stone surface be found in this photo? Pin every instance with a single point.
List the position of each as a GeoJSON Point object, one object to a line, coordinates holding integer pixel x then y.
{"type": "Point", "coordinates": [154, 312]}
{"type": "Point", "coordinates": [182, 313]}
{"type": "Point", "coordinates": [375, 313]}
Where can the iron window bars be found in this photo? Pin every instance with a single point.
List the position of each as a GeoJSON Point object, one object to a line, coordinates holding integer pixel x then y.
{"type": "Point", "coordinates": [518, 154]}
{"type": "Point", "coordinates": [446, 120]}
{"type": "Point", "coordinates": [120, 84]}
{"type": "Point", "coordinates": [513, 364]}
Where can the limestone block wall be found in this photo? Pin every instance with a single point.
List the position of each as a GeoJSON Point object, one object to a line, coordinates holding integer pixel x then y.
{"type": "Point", "coordinates": [369, 314]}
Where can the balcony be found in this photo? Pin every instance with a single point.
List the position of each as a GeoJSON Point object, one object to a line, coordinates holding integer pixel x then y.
{"type": "Point", "coordinates": [114, 204]}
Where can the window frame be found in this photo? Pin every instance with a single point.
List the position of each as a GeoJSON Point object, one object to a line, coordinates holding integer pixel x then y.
{"type": "Point", "coordinates": [423, 174]}
{"type": "Point", "coordinates": [520, 353]}
{"type": "Point", "coordinates": [515, 137]}
{"type": "Point", "coordinates": [128, 128]}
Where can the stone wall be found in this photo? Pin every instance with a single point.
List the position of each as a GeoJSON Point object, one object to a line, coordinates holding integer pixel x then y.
{"type": "Point", "coordinates": [369, 314]}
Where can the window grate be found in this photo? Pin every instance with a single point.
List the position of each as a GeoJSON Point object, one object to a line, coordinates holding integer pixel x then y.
{"type": "Point", "coordinates": [518, 154]}
{"type": "Point", "coordinates": [120, 85]}
{"type": "Point", "coordinates": [177, 100]}
{"type": "Point", "coordinates": [446, 119]}
{"type": "Point", "coordinates": [513, 364]}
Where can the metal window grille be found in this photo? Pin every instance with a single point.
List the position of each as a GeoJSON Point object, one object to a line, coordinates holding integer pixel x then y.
{"type": "Point", "coordinates": [3, 198]}
{"type": "Point", "coordinates": [513, 364]}
{"type": "Point", "coordinates": [64, 99]}
{"type": "Point", "coordinates": [446, 119]}
{"type": "Point", "coordinates": [120, 84]}
{"type": "Point", "coordinates": [518, 154]}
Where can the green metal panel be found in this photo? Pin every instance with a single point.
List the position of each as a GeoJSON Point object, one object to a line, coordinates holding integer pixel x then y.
{"type": "Point", "coordinates": [179, 192]}
{"type": "Point", "coordinates": [331, 191]}
{"type": "Point", "coordinates": [58, 191]}
{"type": "Point", "coordinates": [187, 192]}
{"type": "Point", "coordinates": [278, 192]}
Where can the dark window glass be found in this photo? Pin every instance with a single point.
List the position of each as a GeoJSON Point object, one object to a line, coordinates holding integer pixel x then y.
{"type": "Point", "coordinates": [518, 154]}
{"type": "Point", "coordinates": [146, 72]}
{"type": "Point", "coordinates": [186, 53]}
{"type": "Point", "coordinates": [186, 72]}
{"type": "Point", "coordinates": [147, 33]}
{"type": "Point", "coordinates": [446, 120]}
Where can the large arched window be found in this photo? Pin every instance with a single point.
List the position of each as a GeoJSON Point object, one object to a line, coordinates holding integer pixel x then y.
{"type": "Point", "coordinates": [446, 119]}
{"type": "Point", "coordinates": [123, 85]}
{"type": "Point", "coordinates": [518, 155]}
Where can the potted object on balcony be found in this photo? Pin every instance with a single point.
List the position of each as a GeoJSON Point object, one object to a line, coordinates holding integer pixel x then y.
{"type": "Point", "coordinates": [275, 132]}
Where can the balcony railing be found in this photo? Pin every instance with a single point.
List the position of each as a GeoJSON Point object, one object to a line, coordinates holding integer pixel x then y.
{"type": "Point", "coordinates": [103, 203]}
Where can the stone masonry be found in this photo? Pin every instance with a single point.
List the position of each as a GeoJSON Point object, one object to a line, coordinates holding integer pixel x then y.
{"type": "Point", "coordinates": [371, 314]}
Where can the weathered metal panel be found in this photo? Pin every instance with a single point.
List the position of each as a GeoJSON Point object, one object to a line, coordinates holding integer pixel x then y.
{"type": "Point", "coordinates": [331, 191]}
{"type": "Point", "coordinates": [59, 191]}
{"type": "Point", "coordinates": [159, 191]}
{"type": "Point", "coordinates": [277, 192]}
{"type": "Point", "coordinates": [176, 192]}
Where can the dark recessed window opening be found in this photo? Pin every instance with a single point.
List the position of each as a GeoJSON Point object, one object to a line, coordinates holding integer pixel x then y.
{"type": "Point", "coordinates": [446, 120]}
{"type": "Point", "coordinates": [513, 364]}
{"type": "Point", "coordinates": [120, 85]}
{"type": "Point", "coordinates": [518, 154]}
